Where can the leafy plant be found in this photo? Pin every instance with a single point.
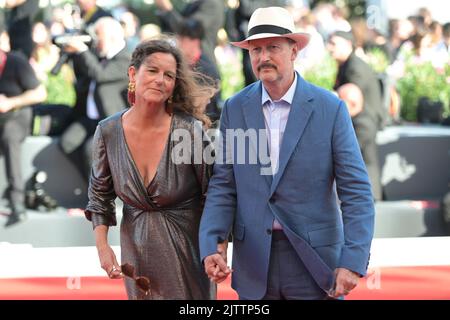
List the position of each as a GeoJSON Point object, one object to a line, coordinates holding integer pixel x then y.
{"type": "Point", "coordinates": [323, 74]}
{"type": "Point", "coordinates": [377, 59]}
{"type": "Point", "coordinates": [232, 78]}
{"type": "Point", "coordinates": [423, 80]}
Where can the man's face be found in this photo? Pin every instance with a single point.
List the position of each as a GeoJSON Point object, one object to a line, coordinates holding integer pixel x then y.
{"type": "Point", "coordinates": [190, 48]}
{"type": "Point", "coordinates": [272, 59]}
{"type": "Point", "coordinates": [101, 41]}
{"type": "Point", "coordinates": [339, 48]}
{"type": "Point", "coordinates": [156, 78]}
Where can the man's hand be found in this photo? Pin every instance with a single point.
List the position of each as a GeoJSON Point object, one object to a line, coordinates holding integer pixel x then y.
{"type": "Point", "coordinates": [222, 249]}
{"type": "Point", "coordinates": [75, 46]}
{"type": "Point", "coordinates": [216, 264]}
{"type": "Point", "coordinates": [346, 281]}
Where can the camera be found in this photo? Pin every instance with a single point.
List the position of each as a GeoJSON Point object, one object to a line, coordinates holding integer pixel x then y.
{"type": "Point", "coordinates": [66, 38]}
{"type": "Point", "coordinates": [35, 197]}
{"type": "Point", "coordinates": [63, 40]}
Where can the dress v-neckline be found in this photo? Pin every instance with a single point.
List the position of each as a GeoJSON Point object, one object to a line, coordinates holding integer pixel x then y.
{"type": "Point", "coordinates": [130, 155]}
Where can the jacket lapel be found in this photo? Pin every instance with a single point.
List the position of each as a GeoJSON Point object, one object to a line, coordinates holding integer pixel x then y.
{"type": "Point", "coordinates": [301, 110]}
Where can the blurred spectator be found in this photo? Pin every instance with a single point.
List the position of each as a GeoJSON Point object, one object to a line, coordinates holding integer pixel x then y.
{"type": "Point", "coordinates": [425, 15]}
{"type": "Point", "coordinates": [149, 31]}
{"type": "Point", "coordinates": [45, 54]}
{"type": "Point", "coordinates": [435, 33]}
{"type": "Point", "coordinates": [20, 21]}
{"type": "Point", "coordinates": [104, 93]}
{"type": "Point", "coordinates": [189, 36]}
{"type": "Point", "coordinates": [354, 70]}
{"type": "Point", "coordinates": [130, 23]}
{"type": "Point", "coordinates": [91, 12]}
{"type": "Point", "coordinates": [353, 98]}
{"type": "Point", "coordinates": [445, 43]}
{"type": "Point", "coordinates": [19, 88]}
{"type": "Point", "coordinates": [50, 117]}
{"type": "Point", "coordinates": [419, 50]}
{"type": "Point", "coordinates": [360, 34]}
{"type": "Point", "coordinates": [399, 32]}
{"type": "Point", "coordinates": [330, 18]}
{"type": "Point", "coordinates": [440, 40]}
{"type": "Point", "coordinates": [210, 13]}
{"type": "Point", "coordinates": [314, 52]}
{"type": "Point", "coordinates": [418, 23]}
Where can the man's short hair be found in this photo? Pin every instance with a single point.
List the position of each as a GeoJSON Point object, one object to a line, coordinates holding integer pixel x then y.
{"type": "Point", "coordinates": [191, 28]}
{"type": "Point", "coordinates": [347, 35]}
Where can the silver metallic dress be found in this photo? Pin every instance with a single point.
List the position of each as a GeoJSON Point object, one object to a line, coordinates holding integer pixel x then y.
{"type": "Point", "coordinates": [159, 228]}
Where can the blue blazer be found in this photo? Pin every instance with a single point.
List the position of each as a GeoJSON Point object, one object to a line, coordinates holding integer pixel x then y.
{"type": "Point", "coordinates": [321, 193]}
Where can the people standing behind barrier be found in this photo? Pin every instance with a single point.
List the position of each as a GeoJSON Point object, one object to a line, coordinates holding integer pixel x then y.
{"type": "Point", "coordinates": [354, 70]}
{"type": "Point", "coordinates": [136, 159]}
{"type": "Point", "coordinates": [102, 90]}
{"type": "Point", "coordinates": [189, 37]}
{"type": "Point", "coordinates": [19, 89]}
{"type": "Point", "coordinates": [210, 14]}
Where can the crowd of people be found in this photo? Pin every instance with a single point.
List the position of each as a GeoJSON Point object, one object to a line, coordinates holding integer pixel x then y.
{"type": "Point", "coordinates": [135, 86]}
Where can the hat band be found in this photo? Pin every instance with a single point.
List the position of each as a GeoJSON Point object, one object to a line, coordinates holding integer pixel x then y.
{"type": "Point", "coordinates": [268, 28]}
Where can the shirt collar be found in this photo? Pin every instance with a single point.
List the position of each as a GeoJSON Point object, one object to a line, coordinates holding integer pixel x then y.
{"type": "Point", "coordinates": [288, 96]}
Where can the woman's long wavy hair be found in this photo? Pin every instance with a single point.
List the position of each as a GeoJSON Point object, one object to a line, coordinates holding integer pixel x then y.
{"type": "Point", "coordinates": [191, 87]}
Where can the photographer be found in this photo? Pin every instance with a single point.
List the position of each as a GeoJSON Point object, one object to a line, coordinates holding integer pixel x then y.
{"type": "Point", "coordinates": [101, 92]}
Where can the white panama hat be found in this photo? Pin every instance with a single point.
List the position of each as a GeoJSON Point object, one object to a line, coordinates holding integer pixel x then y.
{"type": "Point", "coordinates": [272, 22]}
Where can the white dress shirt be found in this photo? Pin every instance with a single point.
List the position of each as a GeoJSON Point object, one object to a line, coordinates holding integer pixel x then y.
{"type": "Point", "coordinates": [276, 115]}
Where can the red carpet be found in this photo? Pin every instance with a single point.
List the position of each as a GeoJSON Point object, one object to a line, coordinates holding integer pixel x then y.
{"type": "Point", "coordinates": [388, 283]}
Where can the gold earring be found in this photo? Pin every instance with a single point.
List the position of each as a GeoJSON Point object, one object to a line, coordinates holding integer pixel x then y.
{"type": "Point", "coordinates": [169, 101]}
{"type": "Point", "coordinates": [131, 86]}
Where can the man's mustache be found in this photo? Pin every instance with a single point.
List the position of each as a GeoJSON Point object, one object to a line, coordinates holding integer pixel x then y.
{"type": "Point", "coordinates": [266, 65]}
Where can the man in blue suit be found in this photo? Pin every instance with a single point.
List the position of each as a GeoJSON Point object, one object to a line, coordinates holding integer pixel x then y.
{"type": "Point", "coordinates": [302, 218]}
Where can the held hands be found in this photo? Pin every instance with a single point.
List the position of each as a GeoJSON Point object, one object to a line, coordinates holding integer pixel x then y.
{"type": "Point", "coordinates": [346, 281]}
{"type": "Point", "coordinates": [108, 262]}
{"type": "Point", "coordinates": [216, 264]}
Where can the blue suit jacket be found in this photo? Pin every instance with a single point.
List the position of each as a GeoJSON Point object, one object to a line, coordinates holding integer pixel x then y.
{"type": "Point", "coordinates": [319, 156]}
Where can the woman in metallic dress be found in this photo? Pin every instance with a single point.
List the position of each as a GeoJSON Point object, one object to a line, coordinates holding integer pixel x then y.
{"type": "Point", "coordinates": [136, 157]}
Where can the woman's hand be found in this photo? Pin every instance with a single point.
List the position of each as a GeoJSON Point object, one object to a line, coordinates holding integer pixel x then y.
{"type": "Point", "coordinates": [108, 261]}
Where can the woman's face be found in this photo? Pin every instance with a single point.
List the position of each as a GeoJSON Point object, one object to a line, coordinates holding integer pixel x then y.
{"type": "Point", "coordinates": [155, 79]}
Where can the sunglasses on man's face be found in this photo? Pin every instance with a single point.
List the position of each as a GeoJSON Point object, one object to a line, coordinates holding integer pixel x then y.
{"type": "Point", "coordinates": [142, 283]}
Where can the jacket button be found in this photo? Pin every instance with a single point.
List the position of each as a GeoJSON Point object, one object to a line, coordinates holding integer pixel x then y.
{"type": "Point", "coordinates": [269, 231]}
